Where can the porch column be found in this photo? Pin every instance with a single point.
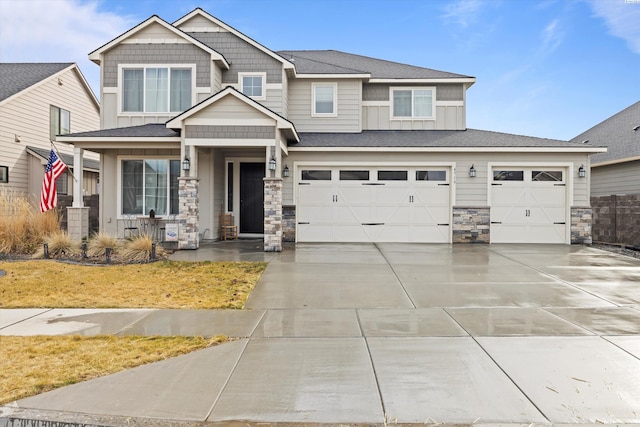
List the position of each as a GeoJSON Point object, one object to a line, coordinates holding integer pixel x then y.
{"type": "Point", "coordinates": [272, 214]}
{"type": "Point", "coordinates": [77, 214]}
{"type": "Point", "coordinates": [189, 216]}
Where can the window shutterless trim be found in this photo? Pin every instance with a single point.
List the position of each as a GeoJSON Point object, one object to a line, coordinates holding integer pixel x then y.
{"type": "Point", "coordinates": [314, 86]}
{"type": "Point", "coordinates": [263, 77]}
{"type": "Point", "coordinates": [412, 89]}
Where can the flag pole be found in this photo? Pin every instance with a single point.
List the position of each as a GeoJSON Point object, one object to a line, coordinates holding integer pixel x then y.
{"type": "Point", "coordinates": [60, 157]}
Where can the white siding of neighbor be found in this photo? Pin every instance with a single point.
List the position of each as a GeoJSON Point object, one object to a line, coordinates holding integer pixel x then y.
{"type": "Point", "coordinates": [469, 191]}
{"type": "Point", "coordinates": [348, 106]}
{"type": "Point", "coordinates": [621, 178]}
{"type": "Point", "coordinates": [28, 116]}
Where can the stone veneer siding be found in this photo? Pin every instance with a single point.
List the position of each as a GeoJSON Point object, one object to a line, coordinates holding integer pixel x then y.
{"type": "Point", "coordinates": [272, 214]}
{"type": "Point", "coordinates": [581, 219]}
{"type": "Point", "coordinates": [616, 218]}
{"type": "Point", "coordinates": [188, 218]}
{"type": "Point", "coordinates": [471, 224]}
{"type": "Point", "coordinates": [289, 223]}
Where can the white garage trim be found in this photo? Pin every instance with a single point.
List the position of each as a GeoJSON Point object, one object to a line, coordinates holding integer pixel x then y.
{"type": "Point", "coordinates": [373, 209]}
{"type": "Point", "coordinates": [516, 230]}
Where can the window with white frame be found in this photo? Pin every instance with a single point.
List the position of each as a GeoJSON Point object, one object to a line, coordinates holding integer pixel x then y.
{"type": "Point", "coordinates": [253, 84]}
{"type": "Point", "coordinates": [59, 121]}
{"type": "Point", "coordinates": [413, 103]}
{"type": "Point", "coordinates": [324, 99]}
{"type": "Point", "coordinates": [147, 184]}
{"type": "Point", "coordinates": [156, 89]}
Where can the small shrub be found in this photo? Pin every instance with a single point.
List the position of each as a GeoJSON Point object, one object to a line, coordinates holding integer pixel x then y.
{"type": "Point", "coordinates": [139, 249]}
{"type": "Point", "coordinates": [22, 226]}
{"type": "Point", "coordinates": [60, 245]}
{"type": "Point", "coordinates": [99, 242]}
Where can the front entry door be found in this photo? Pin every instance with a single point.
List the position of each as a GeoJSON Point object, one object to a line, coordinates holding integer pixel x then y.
{"type": "Point", "coordinates": [252, 198]}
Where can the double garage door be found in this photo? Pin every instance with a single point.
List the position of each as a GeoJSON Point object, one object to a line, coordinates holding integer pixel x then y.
{"type": "Point", "coordinates": [374, 204]}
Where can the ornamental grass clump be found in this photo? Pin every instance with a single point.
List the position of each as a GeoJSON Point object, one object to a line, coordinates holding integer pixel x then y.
{"type": "Point", "coordinates": [60, 245]}
{"type": "Point", "coordinates": [99, 242]}
{"type": "Point", "coordinates": [139, 248]}
{"type": "Point", "coordinates": [23, 227]}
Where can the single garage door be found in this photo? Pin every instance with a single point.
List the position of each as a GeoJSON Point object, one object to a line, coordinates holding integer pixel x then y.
{"type": "Point", "coordinates": [374, 204]}
{"type": "Point", "coordinates": [528, 205]}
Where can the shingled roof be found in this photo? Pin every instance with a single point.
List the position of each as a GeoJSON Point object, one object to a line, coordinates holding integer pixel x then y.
{"type": "Point", "coordinates": [620, 133]}
{"type": "Point", "coordinates": [16, 77]}
{"type": "Point", "coordinates": [156, 130]}
{"type": "Point", "coordinates": [431, 138]}
{"type": "Point", "coordinates": [336, 62]}
{"type": "Point", "coordinates": [67, 159]}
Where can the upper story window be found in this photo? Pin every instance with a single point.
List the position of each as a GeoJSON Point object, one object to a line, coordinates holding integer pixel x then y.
{"type": "Point", "coordinates": [59, 121]}
{"type": "Point", "coordinates": [324, 99]}
{"type": "Point", "coordinates": [156, 89]}
{"type": "Point", "coordinates": [413, 103]}
{"type": "Point", "coordinates": [253, 84]}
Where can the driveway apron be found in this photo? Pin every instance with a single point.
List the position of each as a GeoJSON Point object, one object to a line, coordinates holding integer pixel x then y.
{"type": "Point", "coordinates": [390, 333]}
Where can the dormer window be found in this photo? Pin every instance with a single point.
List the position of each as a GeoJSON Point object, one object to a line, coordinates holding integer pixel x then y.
{"type": "Point", "coordinates": [156, 89]}
{"type": "Point", "coordinates": [253, 84]}
{"type": "Point", "coordinates": [413, 103]}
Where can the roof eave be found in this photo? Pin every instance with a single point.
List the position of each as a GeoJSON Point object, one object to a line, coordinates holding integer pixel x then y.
{"type": "Point", "coordinates": [466, 80]}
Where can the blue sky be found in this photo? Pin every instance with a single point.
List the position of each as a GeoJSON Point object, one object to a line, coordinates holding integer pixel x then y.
{"type": "Point", "coordinates": [548, 68]}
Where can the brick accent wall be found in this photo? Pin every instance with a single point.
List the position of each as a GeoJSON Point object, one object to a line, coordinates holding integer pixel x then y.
{"type": "Point", "coordinates": [272, 214]}
{"type": "Point", "coordinates": [231, 132]}
{"type": "Point", "coordinates": [471, 224]}
{"type": "Point", "coordinates": [188, 218]}
{"type": "Point", "coordinates": [581, 220]}
{"type": "Point", "coordinates": [289, 223]}
{"type": "Point", "coordinates": [616, 219]}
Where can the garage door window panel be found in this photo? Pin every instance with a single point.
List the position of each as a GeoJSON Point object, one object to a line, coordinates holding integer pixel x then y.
{"type": "Point", "coordinates": [546, 176]}
{"type": "Point", "coordinates": [354, 175]}
{"type": "Point", "coordinates": [392, 175]}
{"type": "Point", "coordinates": [508, 175]}
{"type": "Point", "coordinates": [434, 175]}
{"type": "Point", "coordinates": [316, 175]}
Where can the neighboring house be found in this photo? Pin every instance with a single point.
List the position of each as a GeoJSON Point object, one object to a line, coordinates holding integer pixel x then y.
{"type": "Point", "coordinates": [37, 102]}
{"type": "Point", "coordinates": [315, 146]}
{"type": "Point", "coordinates": [615, 177]}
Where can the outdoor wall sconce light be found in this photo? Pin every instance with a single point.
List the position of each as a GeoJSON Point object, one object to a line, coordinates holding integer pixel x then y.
{"type": "Point", "coordinates": [472, 171]}
{"type": "Point", "coordinates": [285, 171]}
{"type": "Point", "coordinates": [186, 164]}
{"type": "Point", "coordinates": [581, 172]}
{"type": "Point", "coordinates": [272, 164]}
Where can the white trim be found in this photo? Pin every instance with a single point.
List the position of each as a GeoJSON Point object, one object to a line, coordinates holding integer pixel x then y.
{"type": "Point", "coordinates": [110, 89]}
{"type": "Point", "coordinates": [156, 41]}
{"type": "Point", "coordinates": [201, 89]}
{"type": "Point", "coordinates": [263, 77]}
{"type": "Point", "coordinates": [376, 103]}
{"type": "Point", "coordinates": [616, 161]}
{"type": "Point", "coordinates": [454, 149]}
{"type": "Point", "coordinates": [333, 76]}
{"type": "Point", "coordinates": [144, 67]}
{"type": "Point", "coordinates": [412, 89]}
{"type": "Point", "coordinates": [229, 122]}
{"type": "Point", "coordinates": [316, 85]}
{"type": "Point", "coordinates": [418, 81]}
{"type": "Point", "coordinates": [228, 142]}
{"type": "Point", "coordinates": [449, 103]}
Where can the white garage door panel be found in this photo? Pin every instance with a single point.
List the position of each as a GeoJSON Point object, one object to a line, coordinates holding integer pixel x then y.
{"type": "Point", "coordinates": [528, 211]}
{"type": "Point", "coordinates": [374, 211]}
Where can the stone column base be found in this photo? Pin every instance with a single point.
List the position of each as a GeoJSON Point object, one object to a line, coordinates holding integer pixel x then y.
{"type": "Point", "coordinates": [581, 221]}
{"type": "Point", "coordinates": [471, 224]}
{"type": "Point", "coordinates": [189, 216]}
{"type": "Point", "coordinates": [78, 223]}
{"type": "Point", "coordinates": [272, 214]}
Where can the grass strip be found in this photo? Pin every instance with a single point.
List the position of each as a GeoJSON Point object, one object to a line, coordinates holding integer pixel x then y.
{"type": "Point", "coordinates": [34, 365]}
{"type": "Point", "coordinates": [163, 284]}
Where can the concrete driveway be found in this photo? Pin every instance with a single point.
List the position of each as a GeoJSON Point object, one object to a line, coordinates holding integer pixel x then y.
{"type": "Point", "coordinates": [391, 333]}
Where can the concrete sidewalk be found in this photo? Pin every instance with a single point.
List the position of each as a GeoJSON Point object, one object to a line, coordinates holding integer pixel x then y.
{"type": "Point", "coordinates": [377, 334]}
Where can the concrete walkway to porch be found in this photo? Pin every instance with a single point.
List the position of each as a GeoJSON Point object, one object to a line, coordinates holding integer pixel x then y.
{"type": "Point", "coordinates": [377, 334]}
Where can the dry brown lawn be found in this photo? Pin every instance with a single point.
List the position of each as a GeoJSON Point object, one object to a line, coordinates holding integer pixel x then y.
{"type": "Point", "coordinates": [33, 365]}
{"type": "Point", "coordinates": [164, 284]}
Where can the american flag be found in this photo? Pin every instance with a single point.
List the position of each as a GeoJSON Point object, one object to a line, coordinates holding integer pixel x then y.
{"type": "Point", "coordinates": [49, 197]}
